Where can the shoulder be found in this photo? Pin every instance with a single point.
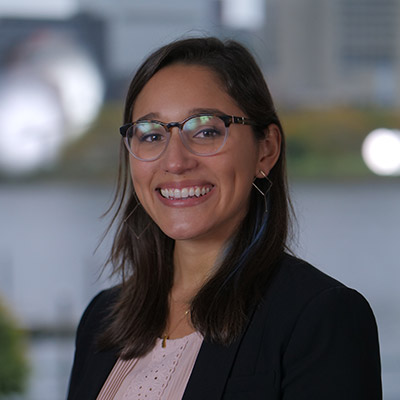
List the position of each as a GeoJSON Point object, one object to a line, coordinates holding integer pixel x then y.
{"type": "Point", "coordinates": [320, 332]}
{"type": "Point", "coordinates": [296, 283]}
{"type": "Point", "coordinates": [297, 272]}
{"type": "Point", "coordinates": [88, 364]}
{"type": "Point", "coordinates": [302, 302]}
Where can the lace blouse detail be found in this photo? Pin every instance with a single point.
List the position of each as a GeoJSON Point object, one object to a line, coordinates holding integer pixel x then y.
{"type": "Point", "coordinates": [162, 374]}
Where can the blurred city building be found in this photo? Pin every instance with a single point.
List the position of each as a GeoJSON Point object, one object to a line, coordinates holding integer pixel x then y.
{"type": "Point", "coordinates": [333, 52]}
{"type": "Point", "coordinates": [313, 52]}
{"type": "Point", "coordinates": [135, 28]}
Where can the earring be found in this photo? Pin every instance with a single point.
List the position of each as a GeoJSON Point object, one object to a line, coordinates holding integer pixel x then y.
{"type": "Point", "coordinates": [264, 194]}
{"type": "Point", "coordinates": [125, 221]}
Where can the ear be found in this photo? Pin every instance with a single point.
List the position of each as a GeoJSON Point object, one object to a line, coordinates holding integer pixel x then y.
{"type": "Point", "coordinates": [269, 150]}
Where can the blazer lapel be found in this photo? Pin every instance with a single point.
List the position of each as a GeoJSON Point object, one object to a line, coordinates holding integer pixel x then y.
{"type": "Point", "coordinates": [212, 368]}
{"type": "Point", "coordinates": [210, 372]}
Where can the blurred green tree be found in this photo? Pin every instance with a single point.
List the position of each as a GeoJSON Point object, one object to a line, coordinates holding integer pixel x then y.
{"type": "Point", "coordinates": [13, 362]}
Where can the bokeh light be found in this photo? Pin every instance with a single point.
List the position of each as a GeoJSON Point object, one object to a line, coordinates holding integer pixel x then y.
{"type": "Point", "coordinates": [63, 64]}
{"type": "Point", "coordinates": [243, 14]}
{"type": "Point", "coordinates": [31, 123]}
{"type": "Point", "coordinates": [381, 151]}
{"type": "Point", "coordinates": [49, 95]}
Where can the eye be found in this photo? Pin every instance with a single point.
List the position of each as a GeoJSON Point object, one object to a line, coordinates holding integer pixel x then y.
{"type": "Point", "coordinates": [150, 133]}
{"type": "Point", "coordinates": [205, 128]}
{"type": "Point", "coordinates": [151, 137]}
{"type": "Point", "coordinates": [207, 133]}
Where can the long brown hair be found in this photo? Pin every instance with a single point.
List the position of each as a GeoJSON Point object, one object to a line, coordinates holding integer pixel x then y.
{"type": "Point", "coordinates": [219, 310]}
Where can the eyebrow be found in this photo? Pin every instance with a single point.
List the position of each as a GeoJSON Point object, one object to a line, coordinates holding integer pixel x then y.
{"type": "Point", "coordinates": [193, 111]}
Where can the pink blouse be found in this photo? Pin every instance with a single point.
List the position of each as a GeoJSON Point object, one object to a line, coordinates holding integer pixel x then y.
{"type": "Point", "coordinates": [162, 374]}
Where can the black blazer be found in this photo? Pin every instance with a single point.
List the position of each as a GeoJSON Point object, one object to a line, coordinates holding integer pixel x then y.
{"type": "Point", "coordinates": [311, 338]}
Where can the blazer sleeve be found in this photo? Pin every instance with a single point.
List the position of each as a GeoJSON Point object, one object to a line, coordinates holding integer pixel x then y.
{"type": "Point", "coordinates": [333, 350]}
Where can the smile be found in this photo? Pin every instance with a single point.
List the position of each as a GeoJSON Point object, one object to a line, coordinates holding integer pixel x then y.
{"type": "Point", "coordinates": [185, 193]}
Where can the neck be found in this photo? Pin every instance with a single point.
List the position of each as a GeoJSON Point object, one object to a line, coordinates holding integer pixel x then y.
{"type": "Point", "coordinates": [193, 265]}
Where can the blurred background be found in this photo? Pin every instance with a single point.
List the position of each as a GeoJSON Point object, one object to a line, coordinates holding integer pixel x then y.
{"type": "Point", "coordinates": [333, 67]}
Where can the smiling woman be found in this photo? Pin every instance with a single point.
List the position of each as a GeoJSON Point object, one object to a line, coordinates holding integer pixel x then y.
{"type": "Point", "coordinates": [210, 305]}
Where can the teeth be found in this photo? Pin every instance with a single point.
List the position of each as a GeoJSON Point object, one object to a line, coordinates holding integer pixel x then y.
{"type": "Point", "coordinates": [184, 193]}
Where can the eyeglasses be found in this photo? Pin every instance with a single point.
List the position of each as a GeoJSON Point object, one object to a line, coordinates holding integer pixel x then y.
{"type": "Point", "coordinates": [201, 134]}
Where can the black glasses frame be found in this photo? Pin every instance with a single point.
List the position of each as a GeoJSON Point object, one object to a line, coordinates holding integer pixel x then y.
{"type": "Point", "coordinates": [227, 119]}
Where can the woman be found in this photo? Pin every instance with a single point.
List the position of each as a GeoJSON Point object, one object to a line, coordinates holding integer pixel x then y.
{"type": "Point", "coordinates": [210, 305]}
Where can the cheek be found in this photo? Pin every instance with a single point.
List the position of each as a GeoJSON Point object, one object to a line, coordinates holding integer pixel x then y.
{"type": "Point", "coordinates": [245, 161]}
{"type": "Point", "coordinates": [138, 177]}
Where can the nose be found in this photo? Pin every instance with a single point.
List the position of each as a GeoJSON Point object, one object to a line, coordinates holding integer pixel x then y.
{"type": "Point", "coordinates": [177, 159]}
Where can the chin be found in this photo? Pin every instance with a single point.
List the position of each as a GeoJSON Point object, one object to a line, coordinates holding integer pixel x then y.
{"type": "Point", "coordinates": [182, 233]}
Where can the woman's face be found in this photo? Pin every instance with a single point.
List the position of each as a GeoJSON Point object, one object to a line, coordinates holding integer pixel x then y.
{"type": "Point", "coordinates": [224, 180]}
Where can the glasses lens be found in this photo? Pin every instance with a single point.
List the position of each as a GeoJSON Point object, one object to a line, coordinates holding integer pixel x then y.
{"type": "Point", "coordinates": [146, 140]}
{"type": "Point", "coordinates": [204, 134]}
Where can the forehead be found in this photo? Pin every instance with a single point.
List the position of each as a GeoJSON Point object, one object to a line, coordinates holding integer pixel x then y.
{"type": "Point", "coordinates": [176, 89]}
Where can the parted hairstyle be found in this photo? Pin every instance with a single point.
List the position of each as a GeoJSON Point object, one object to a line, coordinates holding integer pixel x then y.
{"type": "Point", "coordinates": [219, 310]}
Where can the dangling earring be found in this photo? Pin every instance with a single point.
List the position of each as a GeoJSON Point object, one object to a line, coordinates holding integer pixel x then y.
{"type": "Point", "coordinates": [125, 221]}
{"type": "Point", "coordinates": [264, 194]}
